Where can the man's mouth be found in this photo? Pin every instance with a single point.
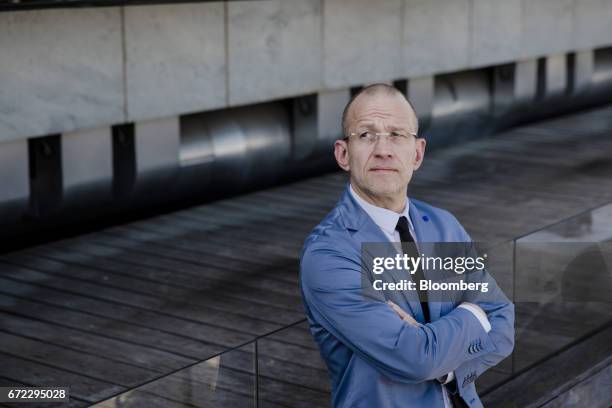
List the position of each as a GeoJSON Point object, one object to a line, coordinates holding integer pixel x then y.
{"type": "Point", "coordinates": [383, 170]}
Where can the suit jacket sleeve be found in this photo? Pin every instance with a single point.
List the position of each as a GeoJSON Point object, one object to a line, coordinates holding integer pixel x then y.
{"type": "Point", "coordinates": [500, 312]}
{"type": "Point", "coordinates": [331, 285]}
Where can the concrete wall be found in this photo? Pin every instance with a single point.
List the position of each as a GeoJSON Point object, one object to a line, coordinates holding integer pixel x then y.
{"type": "Point", "coordinates": [70, 69]}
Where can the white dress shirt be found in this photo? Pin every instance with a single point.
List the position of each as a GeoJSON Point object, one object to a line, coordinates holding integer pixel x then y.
{"type": "Point", "coordinates": [387, 221]}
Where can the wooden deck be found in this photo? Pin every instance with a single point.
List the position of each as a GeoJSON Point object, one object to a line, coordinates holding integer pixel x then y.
{"type": "Point", "coordinates": [113, 309]}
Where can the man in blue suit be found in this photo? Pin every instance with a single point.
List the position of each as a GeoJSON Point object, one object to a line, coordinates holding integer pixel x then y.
{"type": "Point", "coordinates": [393, 350]}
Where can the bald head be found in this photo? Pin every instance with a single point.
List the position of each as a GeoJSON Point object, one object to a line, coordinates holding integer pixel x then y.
{"type": "Point", "coordinates": [375, 90]}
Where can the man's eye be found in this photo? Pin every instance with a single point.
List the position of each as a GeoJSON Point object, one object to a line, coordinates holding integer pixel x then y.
{"type": "Point", "coordinates": [364, 135]}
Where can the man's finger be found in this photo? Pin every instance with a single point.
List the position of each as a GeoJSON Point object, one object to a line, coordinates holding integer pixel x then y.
{"type": "Point", "coordinates": [410, 320]}
{"type": "Point", "coordinates": [396, 308]}
{"type": "Point", "coordinates": [403, 315]}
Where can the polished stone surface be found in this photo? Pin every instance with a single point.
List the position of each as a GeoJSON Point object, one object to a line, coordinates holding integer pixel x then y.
{"type": "Point", "coordinates": [362, 42]}
{"type": "Point", "coordinates": [495, 31]}
{"type": "Point", "coordinates": [592, 23]}
{"type": "Point", "coordinates": [435, 36]}
{"type": "Point", "coordinates": [274, 49]}
{"type": "Point", "coordinates": [74, 69]}
{"type": "Point", "coordinates": [547, 27]}
{"type": "Point", "coordinates": [175, 59]}
{"type": "Point", "coordinates": [60, 70]}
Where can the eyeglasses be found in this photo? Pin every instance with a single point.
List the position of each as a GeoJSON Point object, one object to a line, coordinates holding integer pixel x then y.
{"type": "Point", "coordinates": [368, 137]}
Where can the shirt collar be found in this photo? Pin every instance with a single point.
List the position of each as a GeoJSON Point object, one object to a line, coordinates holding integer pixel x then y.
{"type": "Point", "coordinates": [384, 218]}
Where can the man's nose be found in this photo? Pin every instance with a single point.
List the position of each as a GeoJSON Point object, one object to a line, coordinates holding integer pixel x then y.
{"type": "Point", "coordinates": [383, 146]}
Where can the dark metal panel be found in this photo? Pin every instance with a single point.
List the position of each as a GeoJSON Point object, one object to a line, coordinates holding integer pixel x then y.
{"type": "Point", "coordinates": [15, 5]}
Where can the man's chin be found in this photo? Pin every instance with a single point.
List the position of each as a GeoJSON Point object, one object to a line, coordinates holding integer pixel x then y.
{"type": "Point", "coordinates": [386, 191]}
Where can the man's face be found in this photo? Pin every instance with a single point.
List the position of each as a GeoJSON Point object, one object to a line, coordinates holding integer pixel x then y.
{"type": "Point", "coordinates": [381, 152]}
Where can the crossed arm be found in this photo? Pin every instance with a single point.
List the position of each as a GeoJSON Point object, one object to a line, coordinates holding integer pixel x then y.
{"type": "Point", "coordinates": [331, 284]}
{"type": "Point", "coordinates": [481, 363]}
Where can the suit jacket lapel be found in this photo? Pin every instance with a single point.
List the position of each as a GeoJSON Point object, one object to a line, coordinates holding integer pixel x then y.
{"type": "Point", "coordinates": [365, 230]}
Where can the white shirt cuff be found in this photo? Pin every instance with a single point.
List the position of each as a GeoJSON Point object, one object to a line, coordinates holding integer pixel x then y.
{"type": "Point", "coordinates": [480, 315]}
{"type": "Point", "coordinates": [447, 378]}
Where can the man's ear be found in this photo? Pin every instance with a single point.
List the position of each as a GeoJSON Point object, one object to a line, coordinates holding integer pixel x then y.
{"type": "Point", "coordinates": [341, 153]}
{"type": "Point", "coordinates": [420, 152]}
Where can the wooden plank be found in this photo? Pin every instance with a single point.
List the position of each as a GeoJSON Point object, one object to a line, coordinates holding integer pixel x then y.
{"type": "Point", "coordinates": [168, 290]}
{"type": "Point", "coordinates": [74, 361]}
{"type": "Point", "coordinates": [265, 228]}
{"type": "Point", "coordinates": [221, 253]}
{"type": "Point", "coordinates": [210, 256]}
{"type": "Point", "coordinates": [175, 326]}
{"type": "Point", "coordinates": [145, 303]}
{"type": "Point", "coordinates": [97, 250]}
{"type": "Point", "coordinates": [81, 387]}
{"type": "Point", "coordinates": [156, 253]}
{"type": "Point", "coordinates": [95, 343]}
{"type": "Point", "coordinates": [186, 349]}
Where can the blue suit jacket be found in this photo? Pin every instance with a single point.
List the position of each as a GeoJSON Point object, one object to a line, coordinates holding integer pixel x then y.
{"type": "Point", "coordinates": [375, 359]}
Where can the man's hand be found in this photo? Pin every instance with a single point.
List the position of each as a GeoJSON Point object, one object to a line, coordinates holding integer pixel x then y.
{"type": "Point", "coordinates": [403, 315]}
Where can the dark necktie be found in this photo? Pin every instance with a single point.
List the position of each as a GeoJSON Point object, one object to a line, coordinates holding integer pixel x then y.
{"type": "Point", "coordinates": [410, 250]}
